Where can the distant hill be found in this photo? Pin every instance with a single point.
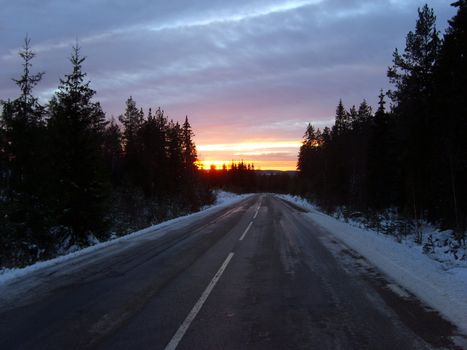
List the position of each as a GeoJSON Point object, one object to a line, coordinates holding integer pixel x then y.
{"type": "Point", "coordinates": [277, 172]}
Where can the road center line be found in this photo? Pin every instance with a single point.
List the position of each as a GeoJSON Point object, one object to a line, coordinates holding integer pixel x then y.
{"type": "Point", "coordinates": [246, 231]}
{"type": "Point", "coordinates": [172, 345]}
{"type": "Point", "coordinates": [257, 210]}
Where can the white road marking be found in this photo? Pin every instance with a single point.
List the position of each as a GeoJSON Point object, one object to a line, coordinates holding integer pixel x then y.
{"type": "Point", "coordinates": [246, 231]}
{"type": "Point", "coordinates": [256, 214]}
{"type": "Point", "coordinates": [172, 345]}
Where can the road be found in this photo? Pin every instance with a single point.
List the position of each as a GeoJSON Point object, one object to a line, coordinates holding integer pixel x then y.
{"type": "Point", "coordinates": [257, 275]}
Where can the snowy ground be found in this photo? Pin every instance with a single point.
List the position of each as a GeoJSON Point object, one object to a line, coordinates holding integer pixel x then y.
{"type": "Point", "coordinates": [223, 199]}
{"type": "Point", "coordinates": [438, 280]}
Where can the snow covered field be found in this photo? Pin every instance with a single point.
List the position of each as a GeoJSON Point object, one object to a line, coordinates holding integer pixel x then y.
{"type": "Point", "coordinates": [438, 280]}
{"type": "Point", "coordinates": [223, 199]}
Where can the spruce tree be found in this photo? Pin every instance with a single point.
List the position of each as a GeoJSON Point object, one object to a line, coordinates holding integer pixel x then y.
{"type": "Point", "coordinates": [190, 156]}
{"type": "Point", "coordinates": [175, 158]}
{"type": "Point", "coordinates": [154, 155]}
{"type": "Point", "coordinates": [303, 166]}
{"type": "Point", "coordinates": [132, 121]}
{"type": "Point", "coordinates": [22, 121]}
{"type": "Point", "coordinates": [23, 154]}
{"type": "Point", "coordinates": [343, 122]}
{"type": "Point", "coordinates": [77, 181]}
{"type": "Point", "coordinates": [189, 159]}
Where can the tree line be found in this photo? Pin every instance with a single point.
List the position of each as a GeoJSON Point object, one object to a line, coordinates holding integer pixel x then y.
{"type": "Point", "coordinates": [241, 177]}
{"type": "Point", "coordinates": [68, 175]}
{"type": "Point", "coordinates": [412, 154]}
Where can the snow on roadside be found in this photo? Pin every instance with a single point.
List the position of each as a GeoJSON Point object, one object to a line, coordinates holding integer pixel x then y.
{"type": "Point", "coordinates": [223, 199]}
{"type": "Point", "coordinates": [443, 286]}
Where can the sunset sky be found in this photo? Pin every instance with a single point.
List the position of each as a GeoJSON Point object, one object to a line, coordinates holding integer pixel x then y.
{"type": "Point", "coordinates": [250, 74]}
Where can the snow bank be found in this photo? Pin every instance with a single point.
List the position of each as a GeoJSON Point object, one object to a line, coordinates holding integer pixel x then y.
{"type": "Point", "coordinates": [223, 199]}
{"type": "Point", "coordinates": [443, 286]}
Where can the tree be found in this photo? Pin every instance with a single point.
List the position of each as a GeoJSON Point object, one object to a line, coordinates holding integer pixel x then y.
{"type": "Point", "coordinates": [22, 125]}
{"type": "Point", "coordinates": [77, 181]}
{"type": "Point", "coordinates": [113, 152]}
{"type": "Point", "coordinates": [21, 121]}
{"type": "Point", "coordinates": [450, 110]}
{"type": "Point", "coordinates": [175, 158]}
{"type": "Point", "coordinates": [411, 71]}
{"type": "Point", "coordinates": [412, 76]}
{"type": "Point", "coordinates": [383, 165]}
{"type": "Point", "coordinates": [154, 153]}
{"type": "Point", "coordinates": [189, 159]}
{"type": "Point", "coordinates": [365, 113]}
{"type": "Point", "coordinates": [381, 104]}
{"type": "Point", "coordinates": [190, 156]}
{"type": "Point", "coordinates": [305, 153]}
{"type": "Point", "coordinates": [343, 122]}
{"type": "Point", "coordinates": [132, 121]}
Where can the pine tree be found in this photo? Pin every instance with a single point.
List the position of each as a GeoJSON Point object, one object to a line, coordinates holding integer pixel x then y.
{"type": "Point", "coordinates": [190, 156]}
{"type": "Point", "coordinates": [412, 71]}
{"type": "Point", "coordinates": [381, 104]}
{"type": "Point", "coordinates": [132, 121]}
{"type": "Point", "coordinates": [365, 113]}
{"type": "Point", "coordinates": [450, 111]}
{"type": "Point", "coordinates": [382, 159]}
{"type": "Point", "coordinates": [343, 122]}
{"type": "Point", "coordinates": [76, 130]}
{"type": "Point", "coordinates": [22, 121]}
{"type": "Point", "coordinates": [412, 75]}
{"type": "Point", "coordinates": [154, 155]}
{"type": "Point", "coordinates": [310, 162]}
{"type": "Point", "coordinates": [304, 155]}
{"type": "Point", "coordinates": [353, 118]}
{"type": "Point", "coordinates": [175, 158]}
{"type": "Point", "coordinates": [190, 169]}
{"type": "Point", "coordinates": [23, 153]}
{"type": "Point", "coordinates": [113, 152]}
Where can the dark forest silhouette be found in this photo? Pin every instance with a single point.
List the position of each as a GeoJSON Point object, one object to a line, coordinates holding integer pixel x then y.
{"type": "Point", "coordinates": [411, 156]}
{"type": "Point", "coordinates": [68, 175]}
{"type": "Point", "coordinates": [240, 177]}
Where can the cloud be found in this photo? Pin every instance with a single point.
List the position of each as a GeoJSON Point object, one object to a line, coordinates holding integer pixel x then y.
{"type": "Point", "coordinates": [246, 70]}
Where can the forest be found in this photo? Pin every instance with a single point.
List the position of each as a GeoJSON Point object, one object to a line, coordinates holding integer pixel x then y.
{"type": "Point", "coordinates": [69, 177]}
{"type": "Point", "coordinates": [410, 155]}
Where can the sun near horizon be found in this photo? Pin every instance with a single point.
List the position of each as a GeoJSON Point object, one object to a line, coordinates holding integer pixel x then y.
{"type": "Point", "coordinates": [264, 155]}
{"type": "Point", "coordinates": [259, 165]}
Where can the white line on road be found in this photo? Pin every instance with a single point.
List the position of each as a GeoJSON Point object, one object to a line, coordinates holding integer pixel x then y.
{"type": "Point", "coordinates": [256, 214]}
{"type": "Point", "coordinates": [246, 231]}
{"type": "Point", "coordinates": [199, 304]}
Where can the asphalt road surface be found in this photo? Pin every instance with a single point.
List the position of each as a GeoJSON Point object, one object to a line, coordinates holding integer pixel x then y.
{"type": "Point", "coordinates": [256, 275]}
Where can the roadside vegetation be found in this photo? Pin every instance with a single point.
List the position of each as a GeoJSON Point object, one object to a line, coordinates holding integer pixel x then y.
{"type": "Point", "coordinates": [405, 165]}
{"type": "Point", "coordinates": [69, 177]}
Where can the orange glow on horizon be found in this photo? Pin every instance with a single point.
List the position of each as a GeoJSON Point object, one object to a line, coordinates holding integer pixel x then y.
{"type": "Point", "coordinates": [264, 155]}
{"type": "Point", "coordinates": [283, 165]}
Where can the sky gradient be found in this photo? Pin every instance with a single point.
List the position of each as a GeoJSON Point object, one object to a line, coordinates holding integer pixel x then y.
{"type": "Point", "coordinates": [250, 74]}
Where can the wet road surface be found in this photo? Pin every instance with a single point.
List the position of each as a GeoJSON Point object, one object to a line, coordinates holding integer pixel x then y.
{"type": "Point", "coordinates": [257, 275]}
